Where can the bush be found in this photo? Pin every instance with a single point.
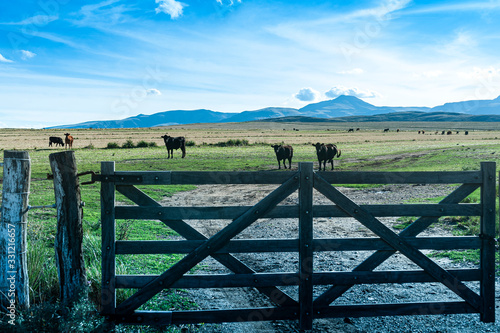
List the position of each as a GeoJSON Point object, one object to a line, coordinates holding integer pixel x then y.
{"type": "Point", "coordinates": [233, 143]}
{"type": "Point", "coordinates": [152, 144]}
{"type": "Point", "coordinates": [128, 144]}
{"type": "Point", "coordinates": [142, 144]}
{"type": "Point", "coordinates": [112, 145]}
{"type": "Point", "coordinates": [190, 143]}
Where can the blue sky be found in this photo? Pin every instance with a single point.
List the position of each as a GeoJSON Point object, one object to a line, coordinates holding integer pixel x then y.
{"type": "Point", "coordinates": [67, 61]}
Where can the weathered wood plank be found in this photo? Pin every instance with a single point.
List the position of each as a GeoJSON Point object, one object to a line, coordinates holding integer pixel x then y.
{"type": "Point", "coordinates": [411, 177]}
{"type": "Point", "coordinates": [292, 211]}
{"type": "Point", "coordinates": [272, 177]}
{"type": "Point", "coordinates": [209, 247]}
{"type": "Point", "coordinates": [291, 313]}
{"type": "Point", "coordinates": [291, 245]}
{"type": "Point", "coordinates": [412, 230]}
{"type": "Point", "coordinates": [488, 196]}
{"type": "Point", "coordinates": [368, 220]}
{"type": "Point", "coordinates": [108, 295]}
{"type": "Point", "coordinates": [275, 295]}
{"type": "Point", "coordinates": [195, 177]}
{"type": "Point", "coordinates": [397, 309]}
{"type": "Point", "coordinates": [259, 280]}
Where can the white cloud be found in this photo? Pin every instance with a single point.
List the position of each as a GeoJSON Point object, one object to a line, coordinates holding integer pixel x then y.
{"type": "Point", "coordinates": [171, 7]}
{"type": "Point", "coordinates": [27, 54]}
{"type": "Point", "coordinates": [354, 71]}
{"type": "Point", "coordinates": [307, 95]}
{"type": "Point", "coordinates": [153, 92]}
{"type": "Point", "coordinates": [3, 59]}
{"type": "Point", "coordinates": [341, 90]}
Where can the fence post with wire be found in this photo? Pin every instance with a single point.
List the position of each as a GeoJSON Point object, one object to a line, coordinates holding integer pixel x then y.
{"type": "Point", "coordinates": [69, 237]}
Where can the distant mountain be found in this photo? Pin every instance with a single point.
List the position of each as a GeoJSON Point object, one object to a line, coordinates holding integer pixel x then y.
{"type": "Point", "coordinates": [410, 116]}
{"type": "Point", "coordinates": [349, 106]}
{"type": "Point", "coordinates": [476, 107]}
{"type": "Point", "coordinates": [342, 108]}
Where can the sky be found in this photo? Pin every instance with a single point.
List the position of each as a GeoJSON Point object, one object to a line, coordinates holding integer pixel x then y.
{"type": "Point", "coordinates": [65, 61]}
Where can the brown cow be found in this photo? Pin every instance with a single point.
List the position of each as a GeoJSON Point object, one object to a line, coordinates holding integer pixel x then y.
{"type": "Point", "coordinates": [326, 153]}
{"type": "Point", "coordinates": [68, 140]}
{"type": "Point", "coordinates": [283, 153]}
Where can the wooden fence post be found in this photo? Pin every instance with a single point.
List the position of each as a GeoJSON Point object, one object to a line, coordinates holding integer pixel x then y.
{"type": "Point", "coordinates": [14, 282]}
{"type": "Point", "coordinates": [68, 243]}
{"type": "Point", "coordinates": [306, 245]}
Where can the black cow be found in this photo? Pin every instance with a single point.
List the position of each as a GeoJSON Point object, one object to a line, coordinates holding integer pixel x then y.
{"type": "Point", "coordinates": [56, 140]}
{"type": "Point", "coordinates": [326, 153]}
{"type": "Point", "coordinates": [283, 153]}
{"type": "Point", "coordinates": [174, 143]}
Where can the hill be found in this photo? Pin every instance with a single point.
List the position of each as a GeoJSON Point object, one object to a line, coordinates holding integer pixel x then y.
{"type": "Point", "coordinates": [342, 108]}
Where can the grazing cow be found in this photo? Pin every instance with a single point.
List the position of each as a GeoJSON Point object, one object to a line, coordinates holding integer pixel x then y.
{"type": "Point", "coordinates": [466, 132]}
{"type": "Point", "coordinates": [283, 153]}
{"type": "Point", "coordinates": [326, 153]}
{"type": "Point", "coordinates": [56, 140]}
{"type": "Point", "coordinates": [350, 130]}
{"type": "Point", "coordinates": [448, 133]}
{"type": "Point", "coordinates": [68, 140]}
{"type": "Point", "coordinates": [386, 130]}
{"type": "Point", "coordinates": [174, 143]}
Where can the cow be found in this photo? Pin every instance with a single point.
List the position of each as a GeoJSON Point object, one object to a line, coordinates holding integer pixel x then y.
{"type": "Point", "coordinates": [283, 153]}
{"type": "Point", "coordinates": [350, 130]}
{"type": "Point", "coordinates": [466, 132]}
{"type": "Point", "coordinates": [174, 143]}
{"type": "Point", "coordinates": [56, 140]}
{"type": "Point", "coordinates": [326, 153]}
{"type": "Point", "coordinates": [386, 130]}
{"type": "Point", "coordinates": [68, 141]}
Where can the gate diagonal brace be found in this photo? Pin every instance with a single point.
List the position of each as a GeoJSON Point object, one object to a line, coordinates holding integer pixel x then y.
{"type": "Point", "coordinates": [184, 229]}
{"type": "Point", "coordinates": [209, 247]}
{"type": "Point", "coordinates": [397, 242]}
{"type": "Point", "coordinates": [379, 257]}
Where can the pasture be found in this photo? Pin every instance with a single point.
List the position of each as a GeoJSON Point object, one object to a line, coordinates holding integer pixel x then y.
{"type": "Point", "coordinates": [369, 149]}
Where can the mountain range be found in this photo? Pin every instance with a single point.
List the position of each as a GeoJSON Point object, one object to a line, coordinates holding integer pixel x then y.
{"type": "Point", "coordinates": [343, 108]}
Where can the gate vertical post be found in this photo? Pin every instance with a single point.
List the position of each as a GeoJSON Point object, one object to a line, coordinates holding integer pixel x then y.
{"type": "Point", "coordinates": [108, 294]}
{"type": "Point", "coordinates": [306, 245]}
{"type": "Point", "coordinates": [488, 201]}
{"type": "Point", "coordinates": [68, 243]}
{"type": "Point", "coordinates": [14, 282]}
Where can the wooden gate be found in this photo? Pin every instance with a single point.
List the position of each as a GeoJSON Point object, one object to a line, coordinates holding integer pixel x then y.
{"type": "Point", "coordinates": [306, 308]}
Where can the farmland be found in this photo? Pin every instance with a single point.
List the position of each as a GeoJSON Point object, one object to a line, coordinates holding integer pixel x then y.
{"type": "Point", "coordinates": [211, 148]}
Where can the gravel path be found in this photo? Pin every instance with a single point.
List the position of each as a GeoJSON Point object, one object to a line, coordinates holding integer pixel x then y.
{"type": "Point", "coordinates": [208, 195]}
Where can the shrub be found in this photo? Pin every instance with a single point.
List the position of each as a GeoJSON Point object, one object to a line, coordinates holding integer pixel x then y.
{"type": "Point", "coordinates": [112, 145]}
{"type": "Point", "coordinates": [190, 143]}
{"type": "Point", "coordinates": [233, 143]}
{"type": "Point", "coordinates": [128, 144]}
{"type": "Point", "coordinates": [152, 144]}
{"type": "Point", "coordinates": [142, 144]}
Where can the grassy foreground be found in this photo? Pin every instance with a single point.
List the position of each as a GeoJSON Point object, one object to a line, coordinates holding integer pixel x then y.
{"type": "Point", "coordinates": [366, 150]}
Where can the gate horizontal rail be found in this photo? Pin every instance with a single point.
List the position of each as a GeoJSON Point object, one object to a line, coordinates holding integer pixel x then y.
{"type": "Point", "coordinates": [222, 246]}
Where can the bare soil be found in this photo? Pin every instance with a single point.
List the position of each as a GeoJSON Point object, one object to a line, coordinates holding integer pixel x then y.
{"type": "Point", "coordinates": [231, 298]}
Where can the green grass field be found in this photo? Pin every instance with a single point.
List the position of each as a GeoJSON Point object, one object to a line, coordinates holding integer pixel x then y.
{"type": "Point", "coordinates": [368, 150]}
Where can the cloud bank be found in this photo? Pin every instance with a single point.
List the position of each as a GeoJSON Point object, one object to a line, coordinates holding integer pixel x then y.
{"type": "Point", "coordinates": [337, 91]}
